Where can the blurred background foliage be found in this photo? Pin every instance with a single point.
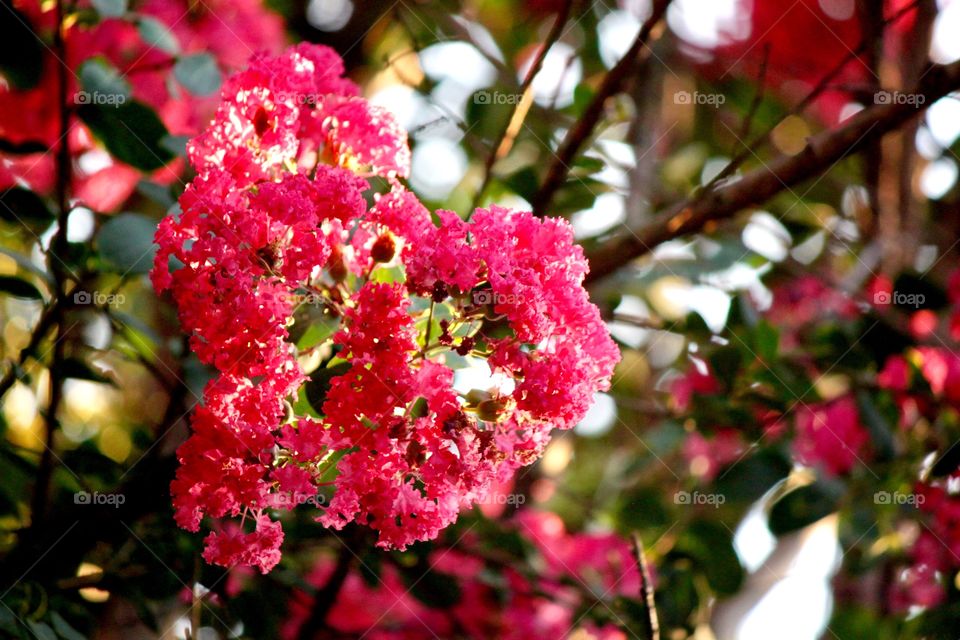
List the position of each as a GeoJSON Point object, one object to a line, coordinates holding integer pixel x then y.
{"type": "Point", "coordinates": [727, 337]}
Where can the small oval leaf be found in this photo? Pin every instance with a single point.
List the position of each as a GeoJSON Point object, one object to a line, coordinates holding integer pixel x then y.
{"type": "Point", "coordinates": [18, 288]}
{"type": "Point", "coordinates": [198, 73]}
{"type": "Point", "coordinates": [156, 34]}
{"type": "Point", "coordinates": [126, 243]}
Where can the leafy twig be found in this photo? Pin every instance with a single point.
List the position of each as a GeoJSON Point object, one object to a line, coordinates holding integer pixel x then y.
{"type": "Point", "coordinates": [47, 318]}
{"type": "Point", "coordinates": [821, 152]}
{"type": "Point", "coordinates": [758, 96]}
{"type": "Point", "coordinates": [495, 150]}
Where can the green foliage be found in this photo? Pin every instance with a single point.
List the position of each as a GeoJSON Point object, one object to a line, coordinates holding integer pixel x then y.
{"type": "Point", "coordinates": [19, 288]}
{"type": "Point", "coordinates": [19, 205]}
{"type": "Point", "coordinates": [198, 73]}
{"type": "Point", "coordinates": [156, 34]}
{"type": "Point", "coordinates": [125, 243]}
{"type": "Point", "coordinates": [21, 57]}
{"type": "Point", "coordinates": [804, 505]}
{"type": "Point", "coordinates": [119, 434]}
{"type": "Point", "coordinates": [110, 8]}
{"type": "Point", "coordinates": [131, 132]}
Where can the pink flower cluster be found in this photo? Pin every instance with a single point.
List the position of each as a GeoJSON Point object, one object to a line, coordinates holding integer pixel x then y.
{"type": "Point", "coordinates": [275, 231]}
{"type": "Point", "coordinates": [521, 607]}
{"type": "Point", "coordinates": [925, 384]}
{"type": "Point", "coordinates": [828, 435]}
{"type": "Point", "coordinates": [934, 553]}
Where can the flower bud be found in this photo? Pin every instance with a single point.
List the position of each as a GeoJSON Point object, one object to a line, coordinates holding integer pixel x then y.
{"type": "Point", "coordinates": [466, 346]}
{"type": "Point", "coordinates": [416, 453]}
{"type": "Point", "coordinates": [384, 248]}
{"type": "Point", "coordinates": [336, 266]}
{"type": "Point", "coordinates": [261, 122]}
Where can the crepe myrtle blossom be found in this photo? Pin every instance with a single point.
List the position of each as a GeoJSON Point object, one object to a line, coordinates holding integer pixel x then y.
{"type": "Point", "coordinates": [336, 327]}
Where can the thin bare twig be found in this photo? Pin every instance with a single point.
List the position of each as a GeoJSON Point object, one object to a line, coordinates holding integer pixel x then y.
{"type": "Point", "coordinates": [757, 97]}
{"type": "Point", "coordinates": [612, 83]}
{"type": "Point", "coordinates": [646, 589]}
{"type": "Point", "coordinates": [43, 325]}
{"type": "Point", "coordinates": [495, 153]}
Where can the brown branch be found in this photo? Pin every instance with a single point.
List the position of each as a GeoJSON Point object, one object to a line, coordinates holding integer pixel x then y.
{"type": "Point", "coordinates": [646, 589]}
{"type": "Point", "coordinates": [495, 153]}
{"type": "Point", "coordinates": [59, 245]}
{"type": "Point", "coordinates": [912, 64]}
{"type": "Point", "coordinates": [874, 158]}
{"type": "Point", "coordinates": [59, 248]}
{"type": "Point", "coordinates": [39, 332]}
{"type": "Point", "coordinates": [821, 153]}
{"type": "Point", "coordinates": [826, 82]}
{"type": "Point", "coordinates": [612, 83]}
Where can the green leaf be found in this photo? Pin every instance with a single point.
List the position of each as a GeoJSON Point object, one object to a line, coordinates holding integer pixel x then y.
{"type": "Point", "coordinates": [157, 192]}
{"type": "Point", "coordinates": [639, 509]}
{"type": "Point", "coordinates": [139, 333]}
{"type": "Point", "coordinates": [25, 264]}
{"type": "Point", "coordinates": [110, 8]}
{"type": "Point", "coordinates": [804, 506]}
{"type": "Point", "coordinates": [318, 329]}
{"type": "Point", "coordinates": [63, 628]}
{"type": "Point", "coordinates": [858, 621]}
{"type": "Point", "coordinates": [578, 195]}
{"type": "Point", "coordinates": [8, 622]}
{"type": "Point", "coordinates": [488, 110]}
{"type": "Point", "coordinates": [766, 340]}
{"type": "Point", "coordinates": [41, 630]}
{"type": "Point", "coordinates": [582, 96]}
{"type": "Point", "coordinates": [725, 363]}
{"type": "Point", "coordinates": [433, 588]}
{"type": "Point", "coordinates": [21, 57]}
{"type": "Point", "coordinates": [879, 426]}
{"type": "Point", "coordinates": [102, 83]}
{"type": "Point", "coordinates": [18, 288]}
{"type": "Point", "coordinates": [131, 132]}
{"type": "Point", "coordinates": [177, 145]}
{"type": "Point", "coordinates": [318, 385]}
{"type": "Point", "coordinates": [198, 73]}
{"type": "Point", "coordinates": [711, 543]}
{"type": "Point", "coordinates": [420, 408]}
{"type": "Point", "coordinates": [948, 462]}
{"type": "Point", "coordinates": [676, 577]}
{"type": "Point", "coordinates": [16, 477]}
{"type": "Point", "coordinates": [20, 205]}
{"type": "Point", "coordinates": [155, 34]}
{"type": "Point", "coordinates": [747, 480]}
{"type": "Point", "coordinates": [126, 243]}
